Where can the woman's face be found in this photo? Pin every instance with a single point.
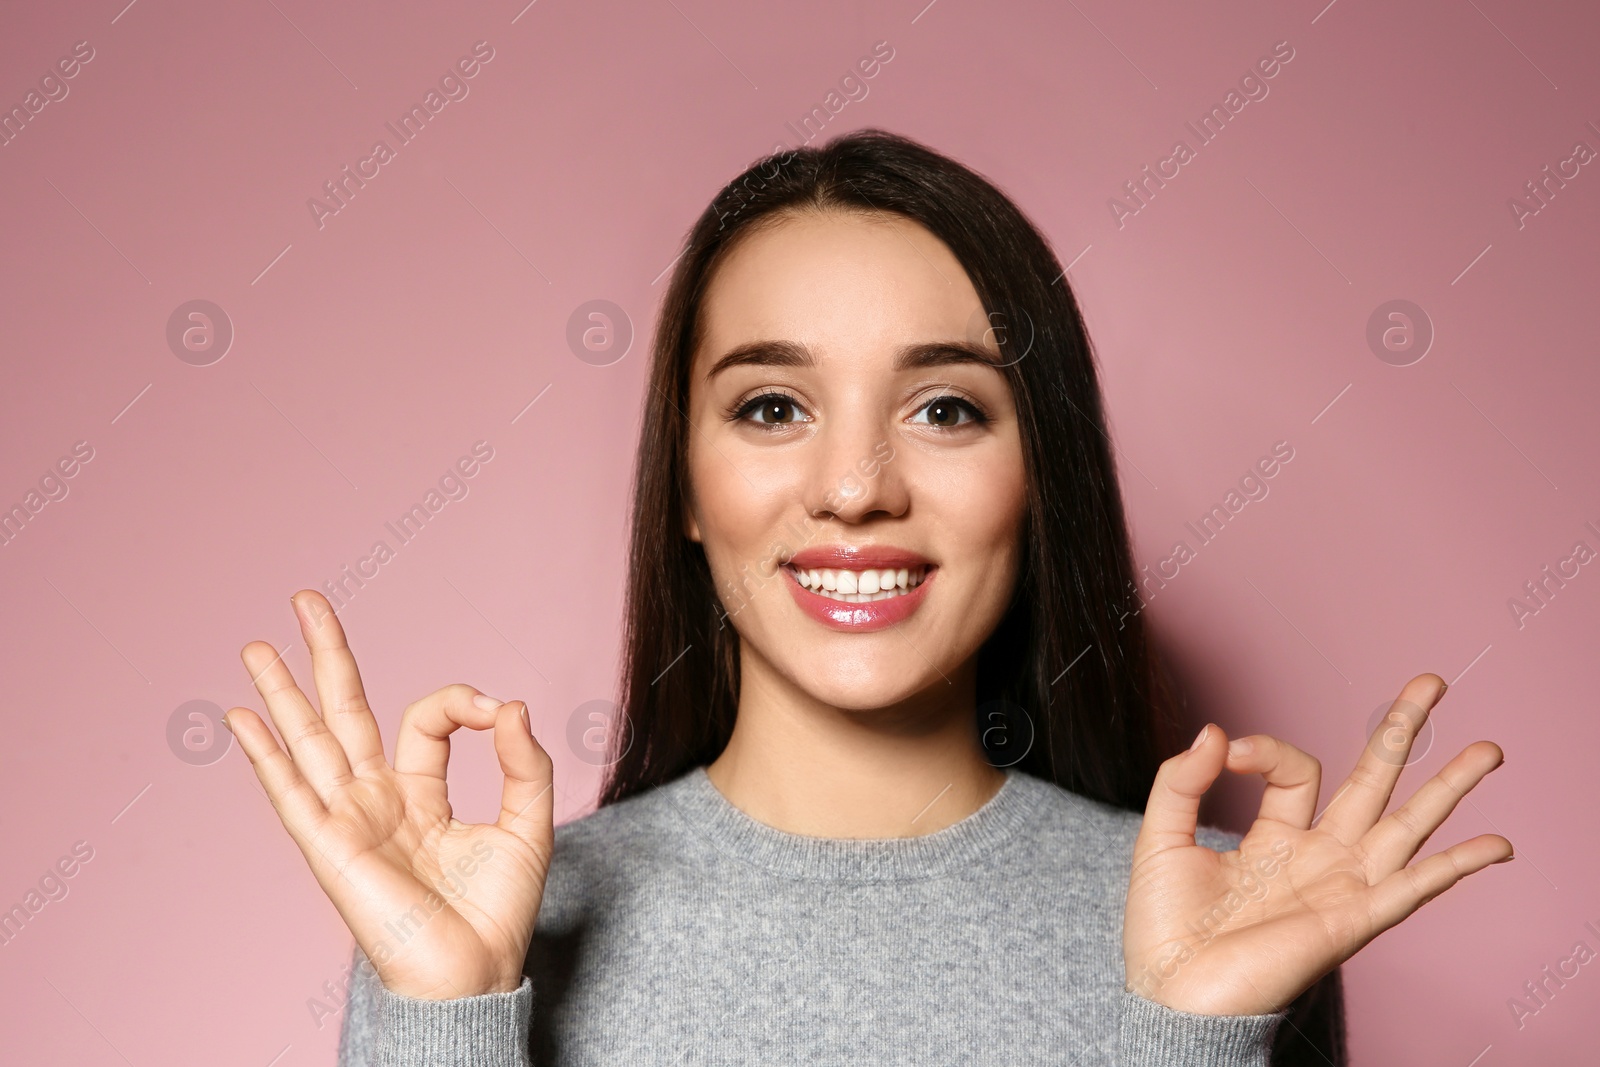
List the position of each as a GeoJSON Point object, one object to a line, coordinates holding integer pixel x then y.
{"type": "Point", "coordinates": [856, 431]}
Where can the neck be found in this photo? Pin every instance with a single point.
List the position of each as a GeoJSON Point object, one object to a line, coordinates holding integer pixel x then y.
{"type": "Point", "coordinates": [806, 767]}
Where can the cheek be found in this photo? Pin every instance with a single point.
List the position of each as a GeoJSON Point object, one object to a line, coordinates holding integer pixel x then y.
{"type": "Point", "coordinates": [981, 507]}
{"type": "Point", "coordinates": [740, 508]}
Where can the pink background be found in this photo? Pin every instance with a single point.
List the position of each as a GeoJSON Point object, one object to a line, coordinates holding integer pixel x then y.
{"type": "Point", "coordinates": [370, 354]}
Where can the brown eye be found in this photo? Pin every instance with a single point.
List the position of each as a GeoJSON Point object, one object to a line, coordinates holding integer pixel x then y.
{"type": "Point", "coordinates": [774, 409]}
{"type": "Point", "coordinates": [945, 412]}
{"type": "Point", "coordinates": [777, 410]}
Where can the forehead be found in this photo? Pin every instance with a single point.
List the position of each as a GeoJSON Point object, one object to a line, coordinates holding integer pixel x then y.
{"type": "Point", "coordinates": [836, 280]}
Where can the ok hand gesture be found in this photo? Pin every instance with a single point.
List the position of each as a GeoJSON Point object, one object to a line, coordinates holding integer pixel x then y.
{"type": "Point", "coordinates": [1247, 931]}
{"type": "Point", "coordinates": [442, 908]}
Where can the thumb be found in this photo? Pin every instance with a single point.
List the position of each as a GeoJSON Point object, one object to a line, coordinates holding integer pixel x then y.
{"type": "Point", "coordinates": [1172, 813]}
{"type": "Point", "coordinates": [527, 803]}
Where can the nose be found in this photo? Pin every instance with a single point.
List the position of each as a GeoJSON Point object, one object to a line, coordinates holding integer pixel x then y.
{"type": "Point", "coordinates": [854, 474]}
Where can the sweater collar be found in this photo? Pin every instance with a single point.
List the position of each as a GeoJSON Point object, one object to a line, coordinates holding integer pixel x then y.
{"type": "Point", "coordinates": [732, 832]}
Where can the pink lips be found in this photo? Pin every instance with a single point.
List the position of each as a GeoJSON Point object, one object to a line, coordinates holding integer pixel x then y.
{"type": "Point", "coordinates": [864, 617]}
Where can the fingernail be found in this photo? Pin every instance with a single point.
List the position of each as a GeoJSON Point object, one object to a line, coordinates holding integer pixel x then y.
{"type": "Point", "coordinates": [1201, 737]}
{"type": "Point", "coordinates": [525, 724]}
{"type": "Point", "coordinates": [487, 702]}
{"type": "Point", "coordinates": [225, 724]}
{"type": "Point", "coordinates": [1241, 747]}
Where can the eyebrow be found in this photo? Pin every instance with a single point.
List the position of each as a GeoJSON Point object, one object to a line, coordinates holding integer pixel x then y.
{"type": "Point", "coordinates": [907, 357]}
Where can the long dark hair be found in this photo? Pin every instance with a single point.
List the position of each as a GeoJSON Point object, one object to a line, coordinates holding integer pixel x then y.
{"type": "Point", "coordinates": [1068, 675]}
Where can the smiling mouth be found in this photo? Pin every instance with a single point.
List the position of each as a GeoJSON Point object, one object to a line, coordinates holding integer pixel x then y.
{"type": "Point", "coordinates": [862, 586]}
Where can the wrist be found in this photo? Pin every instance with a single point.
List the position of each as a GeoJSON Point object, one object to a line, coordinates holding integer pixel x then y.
{"type": "Point", "coordinates": [448, 990]}
{"type": "Point", "coordinates": [1191, 1003]}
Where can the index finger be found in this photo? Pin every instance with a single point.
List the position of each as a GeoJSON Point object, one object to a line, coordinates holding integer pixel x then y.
{"type": "Point", "coordinates": [423, 744]}
{"type": "Point", "coordinates": [333, 670]}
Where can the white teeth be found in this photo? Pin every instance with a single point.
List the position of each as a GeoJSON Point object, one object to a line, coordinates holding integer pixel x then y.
{"type": "Point", "coordinates": [858, 586]}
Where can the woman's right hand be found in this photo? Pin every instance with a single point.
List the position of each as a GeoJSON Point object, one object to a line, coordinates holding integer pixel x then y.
{"type": "Point", "coordinates": [442, 908]}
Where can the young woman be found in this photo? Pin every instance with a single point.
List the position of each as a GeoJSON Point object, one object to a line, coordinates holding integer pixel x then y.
{"type": "Point", "coordinates": [887, 784]}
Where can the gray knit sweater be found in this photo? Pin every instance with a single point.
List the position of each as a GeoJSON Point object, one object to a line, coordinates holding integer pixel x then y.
{"type": "Point", "coordinates": [676, 929]}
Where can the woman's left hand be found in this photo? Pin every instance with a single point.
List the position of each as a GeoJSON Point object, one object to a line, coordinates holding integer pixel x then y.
{"type": "Point", "coordinates": [1245, 932]}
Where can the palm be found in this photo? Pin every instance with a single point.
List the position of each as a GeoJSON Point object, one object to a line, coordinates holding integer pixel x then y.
{"type": "Point", "coordinates": [442, 908]}
{"type": "Point", "coordinates": [1309, 911]}
{"type": "Point", "coordinates": [389, 843]}
{"type": "Point", "coordinates": [1245, 932]}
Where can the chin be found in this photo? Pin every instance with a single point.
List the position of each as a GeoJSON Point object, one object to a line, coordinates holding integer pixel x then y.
{"type": "Point", "coordinates": [855, 700]}
{"type": "Point", "coordinates": [871, 687]}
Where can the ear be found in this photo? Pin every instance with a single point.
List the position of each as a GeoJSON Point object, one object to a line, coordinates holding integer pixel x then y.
{"type": "Point", "coordinates": [691, 526]}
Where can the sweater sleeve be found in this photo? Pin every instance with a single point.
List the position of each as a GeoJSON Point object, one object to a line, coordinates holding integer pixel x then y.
{"type": "Point", "coordinates": [1153, 1035]}
{"type": "Point", "coordinates": [385, 1029]}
